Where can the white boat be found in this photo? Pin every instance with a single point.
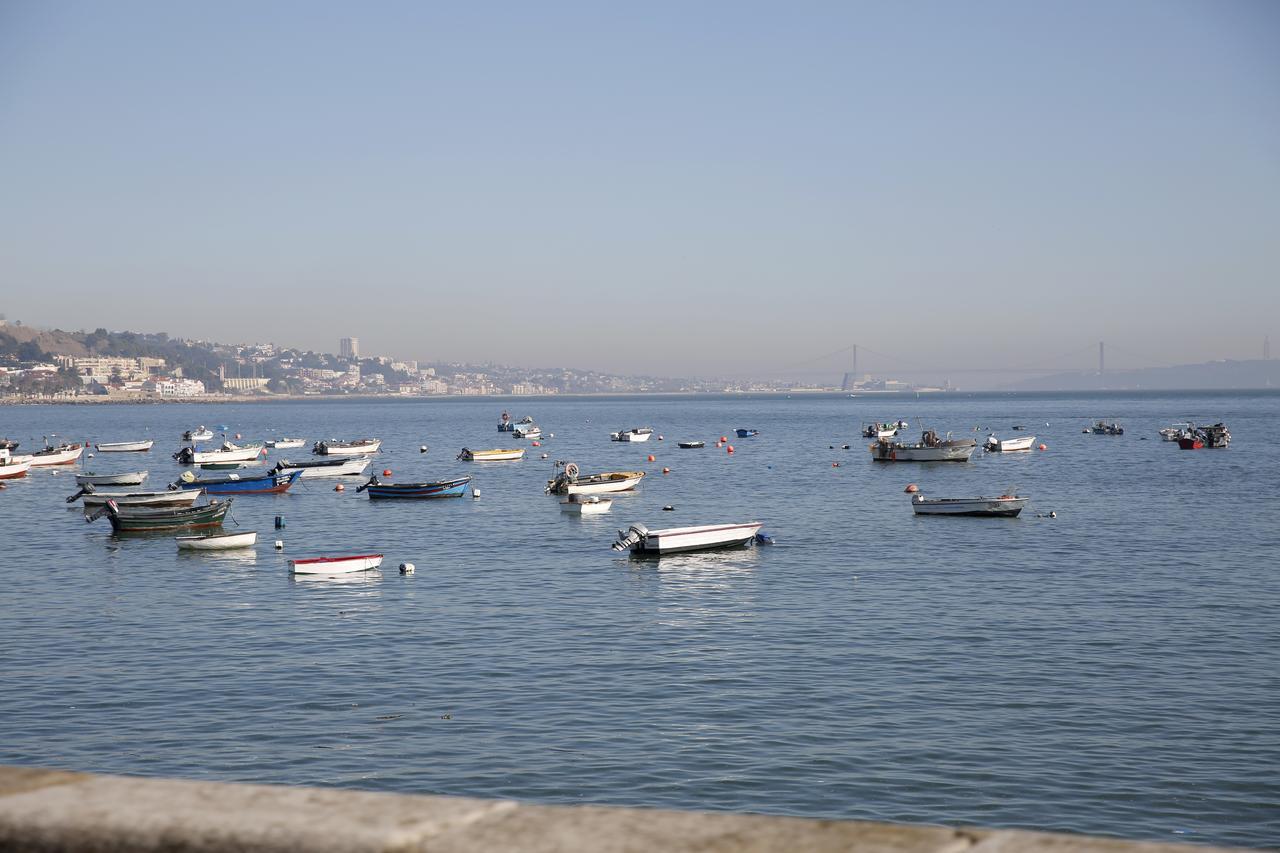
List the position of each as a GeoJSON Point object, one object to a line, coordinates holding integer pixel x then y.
{"type": "Point", "coordinates": [125, 446]}
{"type": "Point", "coordinates": [12, 468]}
{"type": "Point", "coordinates": [930, 449]}
{"type": "Point", "coordinates": [498, 454]}
{"type": "Point", "coordinates": [570, 482]}
{"type": "Point", "coordinates": [127, 478]}
{"type": "Point", "coordinates": [227, 453]}
{"type": "Point", "coordinates": [217, 541]}
{"type": "Point", "coordinates": [531, 432]}
{"type": "Point", "coordinates": [636, 434]}
{"type": "Point", "coordinates": [198, 434]}
{"type": "Point", "coordinates": [586, 504]}
{"type": "Point", "coordinates": [287, 443]}
{"type": "Point", "coordinates": [1008, 445]}
{"type": "Point", "coordinates": [1007, 506]}
{"type": "Point", "coordinates": [335, 565]}
{"type": "Point", "coordinates": [879, 431]}
{"type": "Point", "coordinates": [170, 498]}
{"type": "Point", "coordinates": [1175, 432]}
{"type": "Point", "coordinates": [357, 447]}
{"type": "Point", "coordinates": [349, 467]}
{"type": "Point", "coordinates": [63, 454]}
{"type": "Point", "coordinates": [674, 540]}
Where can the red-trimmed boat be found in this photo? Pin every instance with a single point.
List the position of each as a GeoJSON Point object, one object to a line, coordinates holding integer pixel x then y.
{"type": "Point", "coordinates": [335, 565]}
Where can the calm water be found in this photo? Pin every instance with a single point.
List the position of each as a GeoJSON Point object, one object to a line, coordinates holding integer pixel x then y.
{"type": "Point", "coordinates": [1115, 670]}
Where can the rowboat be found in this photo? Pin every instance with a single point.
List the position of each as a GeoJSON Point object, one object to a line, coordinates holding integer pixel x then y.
{"type": "Point", "coordinates": [635, 434]}
{"type": "Point", "coordinates": [170, 497]}
{"type": "Point", "coordinates": [930, 449]}
{"type": "Point", "coordinates": [747, 433]}
{"type": "Point", "coordinates": [499, 454]}
{"type": "Point", "coordinates": [1006, 506]}
{"type": "Point", "coordinates": [227, 453]}
{"type": "Point", "coordinates": [586, 504]}
{"type": "Point", "coordinates": [126, 446]}
{"type": "Point", "coordinates": [259, 484]}
{"type": "Point", "coordinates": [198, 434]}
{"type": "Point", "coordinates": [335, 565]}
{"type": "Point", "coordinates": [570, 482]}
{"type": "Point", "coordinates": [1008, 445]}
{"type": "Point", "coordinates": [125, 519]}
{"type": "Point", "coordinates": [287, 443]}
{"type": "Point", "coordinates": [63, 454]}
{"type": "Point", "coordinates": [343, 467]}
{"type": "Point", "coordinates": [689, 445]}
{"type": "Point", "coordinates": [127, 478]}
{"type": "Point", "coordinates": [357, 447]}
{"type": "Point", "coordinates": [217, 541]}
{"type": "Point", "coordinates": [12, 469]}
{"type": "Point", "coordinates": [441, 489]}
{"type": "Point", "coordinates": [674, 540]}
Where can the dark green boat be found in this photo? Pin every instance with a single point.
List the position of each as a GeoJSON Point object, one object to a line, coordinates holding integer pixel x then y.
{"type": "Point", "coordinates": [128, 519]}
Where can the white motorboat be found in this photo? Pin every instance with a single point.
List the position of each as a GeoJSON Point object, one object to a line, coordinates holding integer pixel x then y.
{"type": "Point", "coordinates": [227, 453]}
{"type": "Point", "coordinates": [1175, 432]}
{"type": "Point", "coordinates": [169, 498]}
{"type": "Point", "coordinates": [1008, 445]}
{"type": "Point", "coordinates": [198, 434]}
{"type": "Point", "coordinates": [636, 434]}
{"type": "Point", "coordinates": [356, 447]}
{"type": "Point", "coordinates": [1005, 506]}
{"type": "Point", "coordinates": [498, 454]}
{"type": "Point", "coordinates": [126, 478]}
{"type": "Point", "coordinates": [287, 443]}
{"type": "Point", "coordinates": [533, 432]}
{"type": "Point", "coordinates": [217, 541]}
{"type": "Point", "coordinates": [570, 482]}
{"type": "Point", "coordinates": [125, 446]}
{"type": "Point", "coordinates": [879, 431]}
{"type": "Point", "coordinates": [12, 468]}
{"type": "Point", "coordinates": [63, 454]}
{"type": "Point", "coordinates": [586, 504]}
{"type": "Point", "coordinates": [930, 449]}
{"type": "Point", "coordinates": [674, 540]}
{"type": "Point", "coordinates": [335, 565]}
{"type": "Point", "coordinates": [349, 467]}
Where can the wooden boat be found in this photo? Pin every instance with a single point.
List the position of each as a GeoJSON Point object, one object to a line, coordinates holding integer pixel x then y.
{"type": "Point", "coordinates": [63, 454]}
{"type": "Point", "coordinates": [169, 497]}
{"type": "Point", "coordinates": [339, 467]}
{"type": "Point", "coordinates": [127, 519]}
{"type": "Point", "coordinates": [570, 482]}
{"type": "Point", "coordinates": [499, 454]}
{"type": "Point", "coordinates": [127, 478]}
{"type": "Point", "coordinates": [675, 540]}
{"type": "Point", "coordinates": [287, 443]}
{"type": "Point", "coordinates": [217, 541]}
{"type": "Point", "coordinates": [356, 447]}
{"type": "Point", "coordinates": [440, 489]}
{"type": "Point", "coordinates": [530, 431]}
{"type": "Point", "coordinates": [335, 565]}
{"type": "Point", "coordinates": [126, 446]}
{"type": "Point", "coordinates": [586, 504]}
{"type": "Point", "coordinates": [747, 433]}
{"type": "Point", "coordinates": [689, 445]}
{"type": "Point", "coordinates": [198, 434]}
{"type": "Point", "coordinates": [635, 434]}
{"type": "Point", "coordinates": [930, 449]}
{"type": "Point", "coordinates": [12, 469]}
{"type": "Point", "coordinates": [1006, 506]}
{"type": "Point", "coordinates": [227, 453]}
{"type": "Point", "coordinates": [1008, 445]}
{"type": "Point", "coordinates": [270, 483]}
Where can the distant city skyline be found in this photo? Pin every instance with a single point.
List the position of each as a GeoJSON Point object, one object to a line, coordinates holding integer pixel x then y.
{"type": "Point", "coordinates": [668, 190]}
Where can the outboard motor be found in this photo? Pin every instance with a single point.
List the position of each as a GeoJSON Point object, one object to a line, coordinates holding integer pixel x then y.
{"type": "Point", "coordinates": [373, 481]}
{"type": "Point", "coordinates": [630, 537]}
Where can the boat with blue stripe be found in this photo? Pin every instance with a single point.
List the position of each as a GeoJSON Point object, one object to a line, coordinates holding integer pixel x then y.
{"type": "Point", "coordinates": [272, 482]}
{"type": "Point", "coordinates": [441, 489]}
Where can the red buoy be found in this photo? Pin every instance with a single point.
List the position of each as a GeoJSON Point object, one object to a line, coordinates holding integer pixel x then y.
{"type": "Point", "coordinates": [339, 488]}
{"type": "Point", "coordinates": [666, 470]}
{"type": "Point", "coordinates": [911, 488]}
{"type": "Point", "coordinates": [729, 448]}
{"type": "Point", "coordinates": [650, 457]}
{"type": "Point", "coordinates": [386, 472]}
{"type": "Point", "coordinates": [724, 438]}
{"type": "Point", "coordinates": [1044, 447]}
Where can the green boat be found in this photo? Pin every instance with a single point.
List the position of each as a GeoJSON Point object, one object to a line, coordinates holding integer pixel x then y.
{"type": "Point", "coordinates": [128, 519]}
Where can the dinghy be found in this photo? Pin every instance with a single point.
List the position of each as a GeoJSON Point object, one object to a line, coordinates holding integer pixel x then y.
{"type": "Point", "coordinates": [1005, 506]}
{"type": "Point", "coordinates": [200, 433]}
{"type": "Point", "coordinates": [570, 482]}
{"type": "Point", "coordinates": [148, 520]}
{"type": "Point", "coordinates": [217, 541]}
{"type": "Point", "coordinates": [635, 434]}
{"type": "Point", "coordinates": [335, 565]}
{"type": "Point", "coordinates": [689, 445]}
{"type": "Point", "coordinates": [287, 443]}
{"type": "Point", "coordinates": [441, 489]}
{"type": "Point", "coordinates": [126, 446]}
{"type": "Point", "coordinates": [586, 504]}
{"type": "Point", "coordinates": [675, 540]}
{"type": "Point", "coordinates": [227, 453]}
{"type": "Point", "coordinates": [269, 483]}
{"type": "Point", "coordinates": [126, 478]}
{"type": "Point", "coordinates": [169, 498]}
{"type": "Point", "coordinates": [357, 447]}
{"type": "Point", "coordinates": [498, 454]}
{"type": "Point", "coordinates": [340, 467]}
{"type": "Point", "coordinates": [1008, 445]}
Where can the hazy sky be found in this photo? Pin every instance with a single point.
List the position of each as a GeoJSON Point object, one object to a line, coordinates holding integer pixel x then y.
{"type": "Point", "coordinates": [691, 188]}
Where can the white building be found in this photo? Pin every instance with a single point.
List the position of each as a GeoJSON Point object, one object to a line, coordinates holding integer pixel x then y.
{"type": "Point", "coordinates": [163, 387]}
{"type": "Point", "coordinates": [349, 347]}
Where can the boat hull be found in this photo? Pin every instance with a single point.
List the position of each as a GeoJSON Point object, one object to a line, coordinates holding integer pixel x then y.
{"type": "Point", "coordinates": [596, 484]}
{"type": "Point", "coordinates": [217, 541]}
{"type": "Point", "coordinates": [335, 565]}
{"type": "Point", "coordinates": [1191, 443]}
{"type": "Point", "coordinates": [1011, 445]}
{"type": "Point", "coordinates": [1002, 507]}
{"type": "Point", "coordinates": [62, 456]}
{"type": "Point", "coordinates": [125, 446]}
{"type": "Point", "coordinates": [14, 470]}
{"type": "Point", "coordinates": [348, 448]}
{"type": "Point", "coordinates": [239, 454]}
{"type": "Point", "coordinates": [590, 506]}
{"type": "Point", "coordinates": [146, 520]}
{"type": "Point", "coordinates": [682, 540]}
{"type": "Point", "coordinates": [419, 491]}
{"type": "Point", "coordinates": [885, 452]}
{"type": "Point", "coordinates": [175, 498]}
{"type": "Point", "coordinates": [747, 433]}
{"type": "Point", "coordinates": [131, 478]}
{"type": "Point", "coordinates": [268, 484]}
{"type": "Point", "coordinates": [344, 468]}
{"type": "Point", "coordinates": [287, 443]}
{"type": "Point", "coordinates": [496, 455]}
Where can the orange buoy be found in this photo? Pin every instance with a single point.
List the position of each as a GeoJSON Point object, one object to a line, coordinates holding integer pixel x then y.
{"type": "Point", "coordinates": [339, 488]}
{"type": "Point", "coordinates": [729, 448]}
{"type": "Point", "coordinates": [386, 472]}
{"type": "Point", "coordinates": [1044, 447]}
{"type": "Point", "coordinates": [835, 464]}
{"type": "Point", "coordinates": [724, 438]}
{"type": "Point", "coordinates": [537, 444]}
{"type": "Point", "coordinates": [666, 470]}
{"type": "Point", "coordinates": [911, 488]}
{"type": "Point", "coordinates": [650, 457]}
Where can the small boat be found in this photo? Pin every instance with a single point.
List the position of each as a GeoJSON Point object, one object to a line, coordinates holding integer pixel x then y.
{"type": "Point", "coordinates": [217, 541]}
{"type": "Point", "coordinates": [1174, 432]}
{"type": "Point", "coordinates": [1005, 506]}
{"type": "Point", "coordinates": [63, 454]}
{"type": "Point", "coordinates": [440, 489]}
{"type": "Point", "coordinates": [1216, 436]}
{"type": "Point", "coordinates": [270, 483]}
{"type": "Point", "coordinates": [128, 478]}
{"type": "Point", "coordinates": [356, 447]}
{"type": "Point", "coordinates": [930, 449]}
{"type": "Point", "coordinates": [12, 469]}
{"type": "Point", "coordinates": [747, 433]}
{"type": "Point", "coordinates": [287, 443]}
{"type": "Point", "coordinates": [689, 445]}
{"type": "Point", "coordinates": [335, 565]}
{"type": "Point", "coordinates": [1104, 428]}
{"type": "Point", "coordinates": [227, 453]}
{"type": "Point", "coordinates": [1191, 441]}
{"type": "Point", "coordinates": [879, 430]}
{"type": "Point", "coordinates": [125, 519]}
{"type": "Point", "coordinates": [570, 482]}
{"type": "Point", "coordinates": [530, 431]}
{"type": "Point", "coordinates": [341, 467]}
{"type": "Point", "coordinates": [1008, 445]}
{"type": "Point", "coordinates": [586, 504]}
{"type": "Point", "coordinates": [126, 446]}
{"type": "Point", "coordinates": [499, 454]}
{"type": "Point", "coordinates": [635, 434]}
{"type": "Point", "coordinates": [505, 424]}
{"type": "Point", "coordinates": [674, 540]}
{"type": "Point", "coordinates": [200, 433]}
{"type": "Point", "coordinates": [170, 497]}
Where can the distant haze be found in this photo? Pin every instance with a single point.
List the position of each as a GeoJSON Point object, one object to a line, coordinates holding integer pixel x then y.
{"type": "Point", "coordinates": [664, 188]}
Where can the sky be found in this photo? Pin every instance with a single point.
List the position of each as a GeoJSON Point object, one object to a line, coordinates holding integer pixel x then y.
{"type": "Point", "coordinates": [712, 188]}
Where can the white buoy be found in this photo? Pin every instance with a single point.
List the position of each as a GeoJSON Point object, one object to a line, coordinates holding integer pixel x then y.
{"type": "Point", "coordinates": [88, 456]}
{"type": "Point", "coordinates": [279, 544]}
{"type": "Point", "coordinates": [406, 568]}
{"type": "Point", "coordinates": [475, 494]}
{"type": "Point", "coordinates": [544, 456]}
{"type": "Point", "coordinates": [422, 449]}
{"type": "Point", "coordinates": [551, 435]}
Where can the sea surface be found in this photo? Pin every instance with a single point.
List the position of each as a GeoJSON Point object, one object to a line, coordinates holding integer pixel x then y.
{"type": "Point", "coordinates": [1112, 670]}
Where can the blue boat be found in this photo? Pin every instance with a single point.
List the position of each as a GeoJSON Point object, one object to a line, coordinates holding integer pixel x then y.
{"type": "Point", "coordinates": [271, 482]}
{"type": "Point", "coordinates": [441, 489]}
{"type": "Point", "coordinates": [747, 433]}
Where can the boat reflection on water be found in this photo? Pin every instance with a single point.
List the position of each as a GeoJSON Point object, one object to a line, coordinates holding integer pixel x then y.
{"type": "Point", "coordinates": [368, 578]}
{"type": "Point", "coordinates": [213, 559]}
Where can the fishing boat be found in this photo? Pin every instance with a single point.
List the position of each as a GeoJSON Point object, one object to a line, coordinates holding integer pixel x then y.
{"type": "Point", "coordinates": [1004, 506]}
{"type": "Point", "coordinates": [930, 449]}
{"type": "Point", "coordinates": [11, 468]}
{"type": "Point", "coordinates": [440, 489]}
{"type": "Point", "coordinates": [1214, 437]}
{"type": "Point", "coordinates": [228, 452]}
{"type": "Point", "coordinates": [747, 433]}
{"type": "Point", "coordinates": [689, 445]}
{"type": "Point", "coordinates": [356, 447]}
{"type": "Point", "coordinates": [586, 504]}
{"type": "Point", "coordinates": [335, 565]}
{"type": "Point", "coordinates": [63, 454]}
{"type": "Point", "coordinates": [879, 430]}
{"type": "Point", "coordinates": [1191, 441]}
{"type": "Point", "coordinates": [127, 478]}
{"type": "Point", "coordinates": [341, 467]}
{"type": "Point", "coordinates": [217, 541]}
{"type": "Point", "coordinates": [287, 443]}
{"type": "Point", "coordinates": [634, 434]}
{"type": "Point", "coordinates": [498, 454]}
{"type": "Point", "coordinates": [126, 446]}
{"type": "Point", "coordinates": [127, 519]}
{"type": "Point", "coordinates": [674, 540]}
{"type": "Point", "coordinates": [1104, 428]}
{"type": "Point", "coordinates": [1008, 445]}
{"type": "Point", "coordinates": [570, 482]}
{"type": "Point", "coordinates": [270, 483]}
{"type": "Point", "coordinates": [1175, 432]}
{"type": "Point", "coordinates": [532, 432]}
{"type": "Point", "coordinates": [169, 497]}
{"type": "Point", "coordinates": [200, 433]}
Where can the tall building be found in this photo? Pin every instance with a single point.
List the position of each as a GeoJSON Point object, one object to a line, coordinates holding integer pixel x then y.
{"type": "Point", "coordinates": [349, 347]}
